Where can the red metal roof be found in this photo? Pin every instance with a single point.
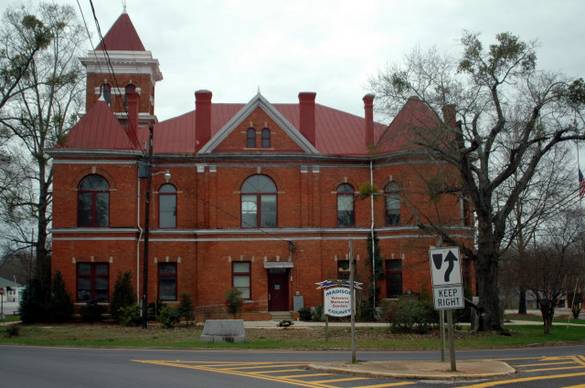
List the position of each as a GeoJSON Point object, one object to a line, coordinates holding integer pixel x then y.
{"type": "Point", "coordinates": [99, 129]}
{"type": "Point", "coordinates": [122, 36]}
{"type": "Point", "coordinates": [400, 134]}
{"type": "Point", "coordinates": [337, 132]}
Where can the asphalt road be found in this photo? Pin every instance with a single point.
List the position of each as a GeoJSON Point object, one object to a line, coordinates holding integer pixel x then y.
{"type": "Point", "coordinates": [64, 367]}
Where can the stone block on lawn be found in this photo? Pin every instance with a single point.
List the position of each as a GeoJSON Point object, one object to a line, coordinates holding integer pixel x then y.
{"type": "Point", "coordinates": [223, 330]}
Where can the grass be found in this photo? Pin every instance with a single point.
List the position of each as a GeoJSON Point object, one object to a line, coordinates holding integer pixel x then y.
{"type": "Point", "coordinates": [10, 318]}
{"type": "Point", "coordinates": [538, 318]}
{"type": "Point", "coordinates": [103, 335]}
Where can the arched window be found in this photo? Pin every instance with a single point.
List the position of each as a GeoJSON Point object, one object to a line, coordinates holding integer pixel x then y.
{"type": "Point", "coordinates": [258, 202]}
{"type": "Point", "coordinates": [345, 205]}
{"type": "Point", "coordinates": [93, 201]}
{"type": "Point", "coordinates": [251, 138]}
{"type": "Point", "coordinates": [167, 206]}
{"type": "Point", "coordinates": [130, 88]}
{"type": "Point", "coordinates": [392, 203]}
{"type": "Point", "coordinates": [265, 138]}
{"type": "Point", "coordinates": [106, 92]}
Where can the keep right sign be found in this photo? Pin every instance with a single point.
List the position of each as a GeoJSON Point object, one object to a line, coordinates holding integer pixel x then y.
{"type": "Point", "coordinates": [447, 279]}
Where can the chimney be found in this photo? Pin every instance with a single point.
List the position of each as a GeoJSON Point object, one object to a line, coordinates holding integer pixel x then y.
{"type": "Point", "coordinates": [369, 117]}
{"type": "Point", "coordinates": [449, 115]}
{"type": "Point", "coordinates": [202, 117]}
{"type": "Point", "coordinates": [132, 100]}
{"type": "Point", "coordinates": [307, 115]}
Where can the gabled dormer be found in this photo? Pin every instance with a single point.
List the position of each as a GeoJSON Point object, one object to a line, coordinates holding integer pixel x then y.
{"type": "Point", "coordinates": [120, 62]}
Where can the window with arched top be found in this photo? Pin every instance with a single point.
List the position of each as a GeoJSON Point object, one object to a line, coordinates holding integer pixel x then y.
{"type": "Point", "coordinates": [392, 203]}
{"type": "Point", "coordinates": [106, 92]}
{"type": "Point", "coordinates": [266, 138]}
{"type": "Point", "coordinates": [167, 206]}
{"type": "Point", "coordinates": [93, 201]}
{"type": "Point", "coordinates": [345, 205]}
{"type": "Point", "coordinates": [251, 138]}
{"type": "Point", "coordinates": [258, 202]}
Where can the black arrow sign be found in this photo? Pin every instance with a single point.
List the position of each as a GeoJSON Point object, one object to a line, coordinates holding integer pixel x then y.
{"type": "Point", "coordinates": [451, 259]}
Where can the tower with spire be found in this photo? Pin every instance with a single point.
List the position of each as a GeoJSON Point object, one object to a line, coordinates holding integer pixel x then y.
{"type": "Point", "coordinates": [119, 64]}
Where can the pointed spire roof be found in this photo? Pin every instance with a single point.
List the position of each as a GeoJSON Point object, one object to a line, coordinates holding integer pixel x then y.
{"type": "Point", "coordinates": [122, 36]}
{"type": "Point", "coordinates": [99, 129]}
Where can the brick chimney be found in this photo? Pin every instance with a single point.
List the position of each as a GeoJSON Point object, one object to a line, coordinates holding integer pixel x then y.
{"type": "Point", "coordinates": [202, 117]}
{"type": "Point", "coordinates": [369, 118]}
{"type": "Point", "coordinates": [132, 101]}
{"type": "Point", "coordinates": [307, 115]}
{"type": "Point", "coordinates": [449, 115]}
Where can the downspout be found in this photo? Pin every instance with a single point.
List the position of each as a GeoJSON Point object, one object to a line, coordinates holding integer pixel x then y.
{"type": "Point", "coordinates": [139, 233]}
{"type": "Point", "coordinates": [372, 235]}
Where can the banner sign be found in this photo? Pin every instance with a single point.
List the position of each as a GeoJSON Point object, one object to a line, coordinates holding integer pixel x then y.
{"type": "Point", "coordinates": [337, 301]}
{"type": "Point", "coordinates": [338, 283]}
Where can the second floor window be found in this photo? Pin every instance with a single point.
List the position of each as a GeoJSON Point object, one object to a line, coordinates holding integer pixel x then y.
{"type": "Point", "coordinates": [258, 202]}
{"type": "Point", "coordinates": [392, 202]}
{"type": "Point", "coordinates": [251, 138]}
{"type": "Point", "coordinates": [266, 138]}
{"type": "Point", "coordinates": [167, 206]}
{"type": "Point", "coordinates": [345, 205]}
{"type": "Point", "coordinates": [93, 201]}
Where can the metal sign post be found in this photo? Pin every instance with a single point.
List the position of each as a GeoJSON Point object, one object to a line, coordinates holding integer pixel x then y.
{"type": "Point", "coordinates": [447, 292]}
{"type": "Point", "coordinates": [352, 296]}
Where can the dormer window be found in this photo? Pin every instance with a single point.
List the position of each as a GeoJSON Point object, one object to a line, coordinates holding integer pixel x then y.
{"type": "Point", "coordinates": [251, 138]}
{"type": "Point", "coordinates": [106, 92]}
{"type": "Point", "coordinates": [266, 138]}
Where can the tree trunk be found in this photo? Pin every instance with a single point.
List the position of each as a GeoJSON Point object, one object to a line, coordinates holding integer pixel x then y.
{"type": "Point", "coordinates": [522, 301]}
{"type": "Point", "coordinates": [43, 264]}
{"type": "Point", "coordinates": [547, 309]}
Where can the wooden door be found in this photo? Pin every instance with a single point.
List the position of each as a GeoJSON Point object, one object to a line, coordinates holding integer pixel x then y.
{"type": "Point", "coordinates": [278, 289]}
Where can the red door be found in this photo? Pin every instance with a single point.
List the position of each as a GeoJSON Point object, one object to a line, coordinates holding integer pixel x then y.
{"type": "Point", "coordinates": [278, 289]}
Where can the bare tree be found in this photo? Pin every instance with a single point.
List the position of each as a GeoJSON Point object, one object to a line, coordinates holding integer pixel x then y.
{"type": "Point", "coordinates": [34, 120]}
{"type": "Point", "coordinates": [510, 116]}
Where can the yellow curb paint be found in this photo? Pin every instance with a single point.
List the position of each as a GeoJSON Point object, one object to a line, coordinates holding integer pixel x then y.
{"type": "Point", "coordinates": [544, 364]}
{"type": "Point", "coordinates": [549, 369]}
{"type": "Point", "coordinates": [569, 386]}
{"type": "Point", "coordinates": [524, 379]}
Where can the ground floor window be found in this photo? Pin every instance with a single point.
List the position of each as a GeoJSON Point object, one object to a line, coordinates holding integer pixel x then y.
{"type": "Point", "coordinates": [93, 282]}
{"type": "Point", "coordinates": [167, 281]}
{"type": "Point", "coordinates": [393, 272]}
{"type": "Point", "coordinates": [241, 278]}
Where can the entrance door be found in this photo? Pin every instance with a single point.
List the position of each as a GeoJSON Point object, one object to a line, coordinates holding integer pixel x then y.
{"type": "Point", "coordinates": [278, 289]}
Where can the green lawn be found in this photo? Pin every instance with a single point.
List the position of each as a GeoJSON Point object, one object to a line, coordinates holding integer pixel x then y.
{"type": "Point", "coordinates": [10, 318]}
{"type": "Point", "coordinates": [102, 335]}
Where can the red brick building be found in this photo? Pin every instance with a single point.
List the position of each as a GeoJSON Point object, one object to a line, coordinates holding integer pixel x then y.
{"type": "Point", "coordinates": [259, 196]}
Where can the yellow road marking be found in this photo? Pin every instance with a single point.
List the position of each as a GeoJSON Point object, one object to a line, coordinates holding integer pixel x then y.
{"type": "Point", "coordinates": [260, 367]}
{"type": "Point", "coordinates": [235, 373]}
{"type": "Point", "coordinates": [520, 358]}
{"type": "Point", "coordinates": [572, 386]}
{"type": "Point", "coordinates": [281, 371]}
{"type": "Point", "coordinates": [305, 375]}
{"type": "Point", "coordinates": [549, 369]}
{"type": "Point", "coordinates": [580, 360]}
{"type": "Point", "coordinates": [525, 379]}
{"type": "Point", "coordinates": [341, 379]}
{"type": "Point", "coordinates": [545, 364]}
{"type": "Point", "coordinates": [401, 383]}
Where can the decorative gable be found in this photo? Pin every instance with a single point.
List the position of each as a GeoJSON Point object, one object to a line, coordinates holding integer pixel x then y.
{"type": "Point", "coordinates": [258, 114]}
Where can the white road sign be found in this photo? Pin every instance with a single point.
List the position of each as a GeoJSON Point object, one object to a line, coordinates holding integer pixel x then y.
{"type": "Point", "coordinates": [447, 298]}
{"type": "Point", "coordinates": [445, 266]}
{"type": "Point", "coordinates": [337, 301]}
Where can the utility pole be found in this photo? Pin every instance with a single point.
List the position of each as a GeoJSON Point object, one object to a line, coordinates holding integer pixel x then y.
{"type": "Point", "coordinates": [352, 297]}
{"type": "Point", "coordinates": [146, 229]}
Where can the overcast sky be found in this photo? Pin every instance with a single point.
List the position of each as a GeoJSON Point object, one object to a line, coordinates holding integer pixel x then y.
{"type": "Point", "coordinates": [330, 47]}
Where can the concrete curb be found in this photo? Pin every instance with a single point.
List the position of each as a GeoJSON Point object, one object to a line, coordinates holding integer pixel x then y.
{"type": "Point", "coordinates": [396, 369]}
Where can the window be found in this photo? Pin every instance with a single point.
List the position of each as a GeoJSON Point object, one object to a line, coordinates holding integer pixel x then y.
{"type": "Point", "coordinates": [258, 201]}
{"type": "Point", "coordinates": [241, 278]}
{"type": "Point", "coordinates": [393, 278]}
{"type": "Point", "coordinates": [93, 282]}
{"type": "Point", "coordinates": [345, 213]}
{"type": "Point", "coordinates": [167, 281]}
{"type": "Point", "coordinates": [266, 138]}
{"type": "Point", "coordinates": [392, 200]}
{"type": "Point", "coordinates": [251, 138]}
{"type": "Point", "coordinates": [343, 269]}
{"type": "Point", "coordinates": [93, 201]}
{"type": "Point", "coordinates": [106, 92]}
{"type": "Point", "coordinates": [167, 206]}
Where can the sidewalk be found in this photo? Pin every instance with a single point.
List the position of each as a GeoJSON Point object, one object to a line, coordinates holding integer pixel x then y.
{"type": "Point", "coordinates": [466, 369]}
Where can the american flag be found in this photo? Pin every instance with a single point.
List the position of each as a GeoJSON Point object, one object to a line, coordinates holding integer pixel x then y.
{"type": "Point", "coordinates": [581, 184]}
